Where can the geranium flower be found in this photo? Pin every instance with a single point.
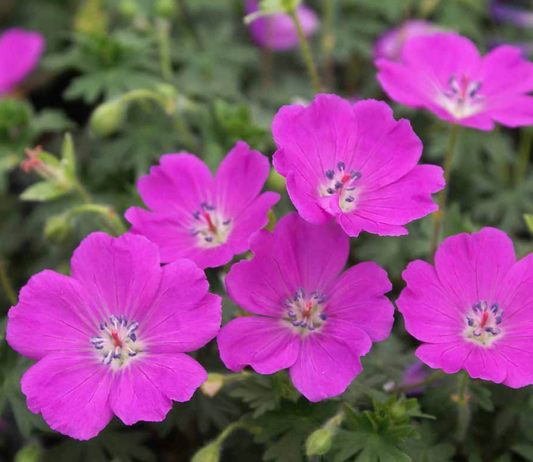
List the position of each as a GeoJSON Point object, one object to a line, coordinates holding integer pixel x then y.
{"type": "Point", "coordinates": [473, 309]}
{"type": "Point", "coordinates": [110, 340]}
{"type": "Point", "coordinates": [312, 319]}
{"type": "Point", "coordinates": [20, 52]}
{"type": "Point", "coordinates": [355, 163]}
{"type": "Point", "coordinates": [445, 74]}
{"type": "Point", "coordinates": [277, 31]}
{"type": "Point", "coordinates": [390, 44]}
{"type": "Point", "coordinates": [196, 216]}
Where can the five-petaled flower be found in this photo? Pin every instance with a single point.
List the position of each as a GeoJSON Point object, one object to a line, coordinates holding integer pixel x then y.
{"type": "Point", "coordinates": [473, 309]}
{"type": "Point", "coordinates": [110, 340]}
{"type": "Point", "coordinates": [355, 163]}
{"type": "Point", "coordinates": [20, 52]}
{"type": "Point", "coordinates": [196, 216]}
{"type": "Point", "coordinates": [312, 319]}
{"type": "Point", "coordinates": [445, 74]}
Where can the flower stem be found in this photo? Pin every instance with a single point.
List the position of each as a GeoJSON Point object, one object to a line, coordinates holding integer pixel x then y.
{"type": "Point", "coordinates": [306, 51]}
{"type": "Point", "coordinates": [463, 411]}
{"type": "Point", "coordinates": [526, 143]}
{"type": "Point", "coordinates": [328, 41]}
{"type": "Point", "coordinates": [6, 284]}
{"type": "Point", "coordinates": [436, 375]}
{"type": "Point", "coordinates": [163, 37]}
{"type": "Point", "coordinates": [107, 217]}
{"type": "Point", "coordinates": [438, 216]}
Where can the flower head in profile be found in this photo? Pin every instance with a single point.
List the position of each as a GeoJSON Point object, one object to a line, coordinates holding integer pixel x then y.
{"type": "Point", "coordinates": [355, 163]}
{"type": "Point", "coordinates": [390, 44]}
{"type": "Point", "coordinates": [196, 216]}
{"type": "Point", "coordinates": [473, 308]}
{"type": "Point", "coordinates": [20, 52]}
{"type": "Point", "coordinates": [110, 340]}
{"type": "Point", "coordinates": [277, 31]}
{"type": "Point", "coordinates": [445, 74]}
{"type": "Point", "coordinates": [311, 318]}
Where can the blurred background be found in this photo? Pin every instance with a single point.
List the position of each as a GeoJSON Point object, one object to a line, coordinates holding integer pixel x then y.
{"type": "Point", "coordinates": [131, 80]}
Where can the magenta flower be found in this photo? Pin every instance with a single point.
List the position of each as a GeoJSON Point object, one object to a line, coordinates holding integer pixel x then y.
{"type": "Point", "coordinates": [277, 32]}
{"type": "Point", "coordinates": [20, 52]}
{"type": "Point", "coordinates": [110, 340]}
{"type": "Point", "coordinates": [445, 74]}
{"type": "Point", "coordinates": [355, 163]}
{"type": "Point", "coordinates": [473, 309]}
{"type": "Point", "coordinates": [312, 319]}
{"type": "Point", "coordinates": [390, 44]}
{"type": "Point", "coordinates": [196, 216]}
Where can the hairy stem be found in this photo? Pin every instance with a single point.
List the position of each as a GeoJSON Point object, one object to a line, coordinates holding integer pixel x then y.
{"type": "Point", "coordinates": [463, 411]}
{"type": "Point", "coordinates": [306, 52]}
{"type": "Point", "coordinates": [6, 284]}
{"type": "Point", "coordinates": [524, 153]}
{"type": "Point", "coordinates": [438, 216]}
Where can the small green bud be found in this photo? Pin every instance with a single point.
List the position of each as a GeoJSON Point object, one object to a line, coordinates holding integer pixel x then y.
{"type": "Point", "coordinates": [107, 118]}
{"type": "Point", "coordinates": [213, 384]}
{"type": "Point", "coordinates": [398, 411]}
{"type": "Point", "coordinates": [165, 8]}
{"type": "Point", "coordinates": [209, 453]}
{"type": "Point", "coordinates": [58, 228]}
{"type": "Point", "coordinates": [528, 217]}
{"type": "Point", "coordinates": [128, 8]}
{"type": "Point", "coordinates": [319, 442]}
{"type": "Point", "coordinates": [30, 453]}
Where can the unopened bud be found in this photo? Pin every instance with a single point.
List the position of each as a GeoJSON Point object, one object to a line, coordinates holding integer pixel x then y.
{"type": "Point", "coordinates": [319, 442]}
{"type": "Point", "coordinates": [213, 384]}
{"type": "Point", "coordinates": [165, 8]}
{"type": "Point", "coordinates": [107, 118]}
{"type": "Point", "coordinates": [209, 453]}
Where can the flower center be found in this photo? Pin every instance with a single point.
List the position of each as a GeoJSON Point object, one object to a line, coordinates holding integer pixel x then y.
{"type": "Point", "coordinates": [462, 99]}
{"type": "Point", "coordinates": [306, 312]}
{"type": "Point", "coordinates": [117, 343]}
{"type": "Point", "coordinates": [342, 183]}
{"type": "Point", "coordinates": [482, 323]}
{"type": "Point", "coordinates": [210, 227]}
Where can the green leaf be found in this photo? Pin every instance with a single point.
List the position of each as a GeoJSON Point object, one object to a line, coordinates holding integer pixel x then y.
{"type": "Point", "coordinates": [525, 450]}
{"type": "Point", "coordinates": [43, 191]}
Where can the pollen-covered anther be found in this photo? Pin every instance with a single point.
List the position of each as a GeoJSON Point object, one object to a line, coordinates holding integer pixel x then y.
{"type": "Point", "coordinates": [117, 340]}
{"type": "Point", "coordinates": [483, 323]}
{"type": "Point", "coordinates": [462, 97]}
{"type": "Point", "coordinates": [306, 312]}
{"type": "Point", "coordinates": [210, 226]}
{"type": "Point", "coordinates": [343, 183]}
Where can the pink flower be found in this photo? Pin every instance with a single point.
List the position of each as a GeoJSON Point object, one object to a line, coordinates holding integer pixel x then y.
{"type": "Point", "coordinates": [355, 163]}
{"type": "Point", "coordinates": [277, 31]}
{"type": "Point", "coordinates": [110, 340]}
{"type": "Point", "coordinates": [473, 309]}
{"type": "Point", "coordinates": [312, 319]}
{"type": "Point", "coordinates": [196, 216]}
{"type": "Point", "coordinates": [390, 44]}
{"type": "Point", "coordinates": [20, 52]}
{"type": "Point", "coordinates": [445, 74]}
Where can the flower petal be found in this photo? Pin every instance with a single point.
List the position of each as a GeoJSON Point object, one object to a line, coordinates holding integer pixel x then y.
{"type": "Point", "coordinates": [121, 274]}
{"type": "Point", "coordinates": [71, 390]}
{"type": "Point", "coordinates": [430, 314]}
{"type": "Point", "coordinates": [184, 316]}
{"type": "Point", "coordinates": [324, 368]}
{"type": "Point", "coordinates": [356, 299]}
{"type": "Point", "coordinates": [54, 313]}
{"type": "Point", "coordinates": [267, 345]}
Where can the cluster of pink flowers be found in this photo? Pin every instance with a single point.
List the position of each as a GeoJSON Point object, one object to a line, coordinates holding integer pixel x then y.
{"type": "Point", "coordinates": [111, 339]}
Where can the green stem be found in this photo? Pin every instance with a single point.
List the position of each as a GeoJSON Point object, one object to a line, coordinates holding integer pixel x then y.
{"type": "Point", "coordinates": [526, 143]}
{"type": "Point", "coordinates": [438, 216]}
{"type": "Point", "coordinates": [6, 284]}
{"type": "Point", "coordinates": [228, 430]}
{"type": "Point", "coordinates": [328, 40]}
{"type": "Point", "coordinates": [107, 217]}
{"type": "Point", "coordinates": [306, 52]}
{"type": "Point", "coordinates": [436, 375]}
{"type": "Point", "coordinates": [463, 412]}
{"type": "Point", "coordinates": [163, 36]}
